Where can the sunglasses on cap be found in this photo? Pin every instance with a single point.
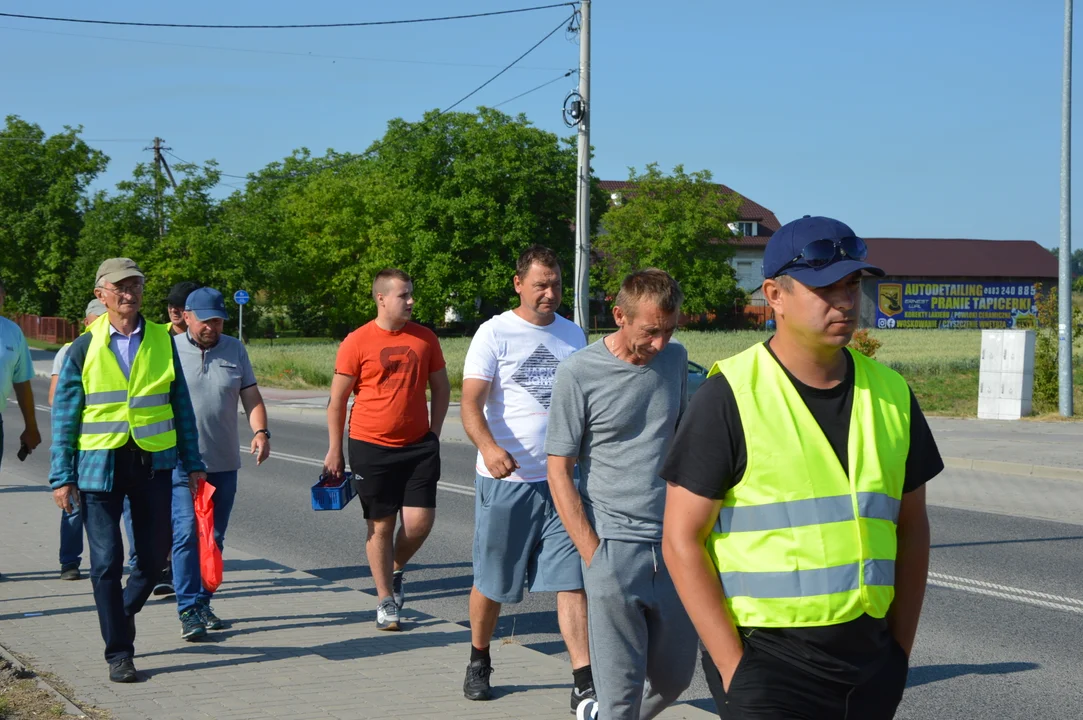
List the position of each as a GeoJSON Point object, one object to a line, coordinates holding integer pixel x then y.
{"type": "Point", "coordinates": [821, 253]}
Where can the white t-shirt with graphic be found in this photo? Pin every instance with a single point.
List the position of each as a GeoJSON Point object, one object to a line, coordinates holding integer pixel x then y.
{"type": "Point", "coordinates": [520, 360]}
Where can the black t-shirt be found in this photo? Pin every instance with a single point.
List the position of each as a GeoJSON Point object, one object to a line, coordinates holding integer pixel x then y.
{"type": "Point", "coordinates": [708, 457]}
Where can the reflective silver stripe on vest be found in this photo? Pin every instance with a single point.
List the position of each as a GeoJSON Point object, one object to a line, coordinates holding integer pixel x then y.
{"type": "Point", "coordinates": [109, 396]}
{"type": "Point", "coordinates": [801, 513]}
{"type": "Point", "coordinates": [796, 513]}
{"type": "Point", "coordinates": [104, 428]}
{"type": "Point", "coordinates": [880, 572]}
{"type": "Point", "coordinates": [878, 506]}
{"type": "Point", "coordinates": [154, 429]}
{"type": "Point", "coordinates": [146, 401]}
{"type": "Point", "coordinates": [806, 583]}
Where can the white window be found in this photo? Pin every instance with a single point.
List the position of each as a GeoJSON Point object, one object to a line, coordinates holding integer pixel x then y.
{"type": "Point", "coordinates": [747, 277]}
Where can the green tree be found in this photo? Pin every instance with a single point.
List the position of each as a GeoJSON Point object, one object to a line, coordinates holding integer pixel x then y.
{"type": "Point", "coordinates": [679, 223]}
{"type": "Point", "coordinates": [455, 198]}
{"type": "Point", "coordinates": [43, 181]}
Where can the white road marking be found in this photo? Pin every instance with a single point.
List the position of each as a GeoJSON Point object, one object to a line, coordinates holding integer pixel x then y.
{"type": "Point", "coordinates": [1007, 592]}
{"type": "Point", "coordinates": [301, 460]}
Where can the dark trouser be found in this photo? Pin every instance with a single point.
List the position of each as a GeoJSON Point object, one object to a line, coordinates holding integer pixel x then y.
{"type": "Point", "coordinates": [767, 688]}
{"type": "Point", "coordinates": [148, 494]}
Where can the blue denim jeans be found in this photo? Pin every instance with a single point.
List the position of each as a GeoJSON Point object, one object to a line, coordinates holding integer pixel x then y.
{"type": "Point", "coordinates": [187, 580]}
{"type": "Point", "coordinates": [71, 537]}
{"type": "Point", "coordinates": [148, 494]}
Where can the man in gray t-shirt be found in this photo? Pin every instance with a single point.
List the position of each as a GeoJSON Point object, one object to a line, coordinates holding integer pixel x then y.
{"type": "Point", "coordinates": [614, 410]}
{"type": "Point", "coordinates": [219, 376]}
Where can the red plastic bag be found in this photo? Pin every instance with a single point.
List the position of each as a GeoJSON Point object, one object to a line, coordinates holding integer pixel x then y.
{"type": "Point", "coordinates": [210, 555]}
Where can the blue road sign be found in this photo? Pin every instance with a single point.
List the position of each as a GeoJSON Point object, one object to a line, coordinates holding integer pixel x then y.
{"type": "Point", "coordinates": [240, 297]}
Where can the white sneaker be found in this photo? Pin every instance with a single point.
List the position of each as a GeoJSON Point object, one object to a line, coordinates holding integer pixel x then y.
{"type": "Point", "coordinates": [387, 615]}
{"type": "Point", "coordinates": [587, 710]}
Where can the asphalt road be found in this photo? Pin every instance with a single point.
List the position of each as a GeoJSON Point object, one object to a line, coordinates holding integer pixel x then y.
{"type": "Point", "coordinates": [1001, 635]}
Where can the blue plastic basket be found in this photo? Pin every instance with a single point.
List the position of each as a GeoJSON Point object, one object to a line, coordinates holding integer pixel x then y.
{"type": "Point", "coordinates": [333, 497]}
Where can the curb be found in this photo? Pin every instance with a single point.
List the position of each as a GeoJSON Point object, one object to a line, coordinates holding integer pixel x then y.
{"type": "Point", "coordinates": [1008, 468]}
{"type": "Point", "coordinates": [70, 708]}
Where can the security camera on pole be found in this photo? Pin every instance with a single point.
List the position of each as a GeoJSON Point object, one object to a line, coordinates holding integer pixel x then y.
{"type": "Point", "coordinates": [241, 298]}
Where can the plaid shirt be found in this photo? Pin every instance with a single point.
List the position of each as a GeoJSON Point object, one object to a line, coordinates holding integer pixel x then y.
{"type": "Point", "coordinates": [92, 470]}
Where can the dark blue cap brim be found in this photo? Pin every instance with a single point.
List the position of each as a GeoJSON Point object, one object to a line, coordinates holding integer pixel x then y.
{"type": "Point", "coordinates": [208, 313]}
{"type": "Point", "coordinates": [831, 274]}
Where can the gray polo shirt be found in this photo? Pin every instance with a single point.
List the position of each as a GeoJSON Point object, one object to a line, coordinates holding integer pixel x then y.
{"type": "Point", "coordinates": [215, 379]}
{"type": "Point", "coordinates": [619, 419]}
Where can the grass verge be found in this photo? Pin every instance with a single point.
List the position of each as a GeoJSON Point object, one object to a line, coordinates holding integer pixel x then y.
{"type": "Point", "coordinates": [940, 365]}
{"type": "Point", "coordinates": [22, 699]}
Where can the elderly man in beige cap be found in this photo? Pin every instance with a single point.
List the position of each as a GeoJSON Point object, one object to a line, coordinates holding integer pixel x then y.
{"type": "Point", "coordinates": [121, 416]}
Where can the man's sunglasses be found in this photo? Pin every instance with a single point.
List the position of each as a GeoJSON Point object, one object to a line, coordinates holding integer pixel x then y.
{"type": "Point", "coordinates": [821, 253]}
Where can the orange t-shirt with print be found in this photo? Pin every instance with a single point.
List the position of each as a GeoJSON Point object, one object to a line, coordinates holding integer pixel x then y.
{"type": "Point", "coordinates": [392, 371]}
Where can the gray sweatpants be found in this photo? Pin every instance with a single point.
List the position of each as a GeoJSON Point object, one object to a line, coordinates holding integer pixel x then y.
{"type": "Point", "coordinates": [642, 644]}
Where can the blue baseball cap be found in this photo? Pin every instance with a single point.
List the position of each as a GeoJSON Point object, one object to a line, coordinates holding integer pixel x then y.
{"type": "Point", "coordinates": [783, 254]}
{"type": "Point", "coordinates": [206, 303]}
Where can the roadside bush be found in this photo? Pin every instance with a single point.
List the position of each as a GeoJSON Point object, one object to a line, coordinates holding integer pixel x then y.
{"type": "Point", "coordinates": [865, 343]}
{"type": "Point", "coordinates": [1047, 350]}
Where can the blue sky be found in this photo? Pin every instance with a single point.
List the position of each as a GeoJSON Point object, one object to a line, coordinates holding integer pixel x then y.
{"type": "Point", "coordinates": [923, 119]}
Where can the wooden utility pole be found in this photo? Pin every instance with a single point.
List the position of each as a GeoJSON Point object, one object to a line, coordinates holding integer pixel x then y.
{"type": "Point", "coordinates": [159, 164]}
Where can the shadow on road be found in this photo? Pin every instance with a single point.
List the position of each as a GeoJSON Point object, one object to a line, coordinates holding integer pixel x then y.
{"type": "Point", "coordinates": [925, 674]}
{"type": "Point", "coordinates": [1006, 542]}
{"type": "Point", "coordinates": [24, 488]}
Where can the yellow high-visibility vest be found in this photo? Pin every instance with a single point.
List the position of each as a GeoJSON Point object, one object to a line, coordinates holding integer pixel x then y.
{"type": "Point", "coordinates": [137, 406]}
{"type": "Point", "coordinates": [800, 542]}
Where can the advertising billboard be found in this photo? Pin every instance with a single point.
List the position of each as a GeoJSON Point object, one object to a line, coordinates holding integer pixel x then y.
{"type": "Point", "coordinates": [981, 305]}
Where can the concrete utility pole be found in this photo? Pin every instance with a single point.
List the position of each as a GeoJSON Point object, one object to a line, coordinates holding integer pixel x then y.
{"type": "Point", "coordinates": [582, 192]}
{"type": "Point", "coordinates": [1064, 292]}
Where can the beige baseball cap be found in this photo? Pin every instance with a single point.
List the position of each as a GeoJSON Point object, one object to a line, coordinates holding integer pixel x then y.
{"type": "Point", "coordinates": [95, 307]}
{"type": "Point", "coordinates": [114, 270]}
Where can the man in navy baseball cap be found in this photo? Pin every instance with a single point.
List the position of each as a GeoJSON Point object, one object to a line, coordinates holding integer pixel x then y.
{"type": "Point", "coordinates": [816, 251]}
{"type": "Point", "coordinates": [206, 303]}
{"type": "Point", "coordinates": [778, 434]}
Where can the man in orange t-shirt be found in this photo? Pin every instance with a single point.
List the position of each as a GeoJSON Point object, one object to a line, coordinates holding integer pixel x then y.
{"type": "Point", "coordinates": [394, 440]}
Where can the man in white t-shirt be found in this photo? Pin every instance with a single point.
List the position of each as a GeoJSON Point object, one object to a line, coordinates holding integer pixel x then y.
{"type": "Point", "coordinates": [518, 536]}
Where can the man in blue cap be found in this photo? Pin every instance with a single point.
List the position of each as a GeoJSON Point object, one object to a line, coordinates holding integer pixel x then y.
{"type": "Point", "coordinates": [219, 375]}
{"type": "Point", "coordinates": [795, 526]}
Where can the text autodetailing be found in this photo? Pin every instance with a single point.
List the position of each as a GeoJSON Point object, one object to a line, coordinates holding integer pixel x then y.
{"type": "Point", "coordinates": [956, 305]}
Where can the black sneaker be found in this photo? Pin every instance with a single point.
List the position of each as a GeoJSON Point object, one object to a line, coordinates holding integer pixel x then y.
{"type": "Point", "coordinates": [476, 686]}
{"type": "Point", "coordinates": [70, 572]}
{"type": "Point", "coordinates": [165, 583]}
{"type": "Point", "coordinates": [578, 696]}
{"type": "Point", "coordinates": [212, 621]}
{"type": "Point", "coordinates": [396, 589]}
{"type": "Point", "coordinates": [192, 627]}
{"type": "Point", "coordinates": [123, 671]}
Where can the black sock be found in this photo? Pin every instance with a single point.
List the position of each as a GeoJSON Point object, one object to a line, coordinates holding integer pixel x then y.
{"type": "Point", "coordinates": [482, 654]}
{"type": "Point", "coordinates": [583, 678]}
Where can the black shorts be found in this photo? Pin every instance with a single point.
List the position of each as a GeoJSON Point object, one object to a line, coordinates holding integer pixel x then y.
{"type": "Point", "coordinates": [387, 479]}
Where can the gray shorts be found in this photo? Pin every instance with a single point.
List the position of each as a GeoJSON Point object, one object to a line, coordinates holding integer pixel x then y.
{"type": "Point", "coordinates": [520, 541]}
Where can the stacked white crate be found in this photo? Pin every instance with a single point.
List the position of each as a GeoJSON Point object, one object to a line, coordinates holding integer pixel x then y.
{"type": "Point", "coordinates": [1006, 374]}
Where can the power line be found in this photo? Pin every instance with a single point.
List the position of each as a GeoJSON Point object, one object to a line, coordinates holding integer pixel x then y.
{"type": "Point", "coordinates": [545, 84]}
{"type": "Point", "coordinates": [439, 113]}
{"type": "Point", "coordinates": [371, 23]}
{"type": "Point", "coordinates": [286, 53]}
{"type": "Point", "coordinates": [34, 139]}
{"type": "Point", "coordinates": [507, 67]}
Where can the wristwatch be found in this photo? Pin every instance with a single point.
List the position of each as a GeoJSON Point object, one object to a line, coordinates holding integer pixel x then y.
{"type": "Point", "coordinates": [265, 431]}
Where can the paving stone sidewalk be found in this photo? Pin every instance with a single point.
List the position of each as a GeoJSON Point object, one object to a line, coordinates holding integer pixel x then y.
{"type": "Point", "coordinates": [297, 646]}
